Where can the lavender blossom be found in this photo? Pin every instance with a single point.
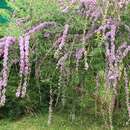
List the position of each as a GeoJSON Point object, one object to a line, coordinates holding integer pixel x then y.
{"type": "Point", "coordinates": [122, 52]}
{"type": "Point", "coordinates": [39, 27]}
{"type": "Point", "coordinates": [26, 70]}
{"type": "Point", "coordinates": [24, 56]}
{"type": "Point", "coordinates": [24, 65]}
{"type": "Point", "coordinates": [63, 6]}
{"type": "Point", "coordinates": [79, 54]}
{"type": "Point", "coordinates": [22, 62]}
{"type": "Point", "coordinates": [4, 78]}
{"type": "Point", "coordinates": [123, 3]}
{"type": "Point", "coordinates": [61, 61]}
{"type": "Point", "coordinates": [64, 36]}
{"type": "Point", "coordinates": [91, 10]}
{"type": "Point", "coordinates": [112, 71]}
{"type": "Point", "coordinates": [27, 38]}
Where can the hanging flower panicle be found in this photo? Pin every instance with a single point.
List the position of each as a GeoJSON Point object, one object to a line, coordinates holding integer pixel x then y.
{"type": "Point", "coordinates": [63, 6]}
{"type": "Point", "coordinates": [26, 70]}
{"type": "Point", "coordinates": [109, 32]}
{"type": "Point", "coordinates": [24, 65]}
{"type": "Point", "coordinates": [89, 3]}
{"type": "Point", "coordinates": [61, 61]}
{"type": "Point", "coordinates": [91, 9]}
{"type": "Point", "coordinates": [39, 27]}
{"type": "Point", "coordinates": [123, 3]}
{"type": "Point", "coordinates": [90, 6]}
{"type": "Point", "coordinates": [8, 41]}
{"type": "Point", "coordinates": [64, 36]}
{"type": "Point", "coordinates": [59, 44]}
{"type": "Point", "coordinates": [24, 56]}
{"type": "Point", "coordinates": [62, 54]}
{"type": "Point", "coordinates": [79, 53]}
{"type": "Point", "coordinates": [122, 52]}
{"type": "Point", "coordinates": [3, 41]}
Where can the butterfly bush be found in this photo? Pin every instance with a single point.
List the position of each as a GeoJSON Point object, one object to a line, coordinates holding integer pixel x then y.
{"type": "Point", "coordinates": [91, 8]}
{"type": "Point", "coordinates": [24, 56]}
{"type": "Point", "coordinates": [109, 32]}
{"type": "Point", "coordinates": [107, 26]}
{"type": "Point", "coordinates": [113, 55]}
{"type": "Point", "coordinates": [5, 44]}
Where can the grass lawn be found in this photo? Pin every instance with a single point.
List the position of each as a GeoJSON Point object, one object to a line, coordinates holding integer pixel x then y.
{"type": "Point", "coordinates": [39, 122]}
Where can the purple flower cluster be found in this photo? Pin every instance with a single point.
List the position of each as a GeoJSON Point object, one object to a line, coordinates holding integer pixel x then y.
{"type": "Point", "coordinates": [113, 56]}
{"type": "Point", "coordinates": [24, 65]}
{"type": "Point", "coordinates": [90, 9]}
{"type": "Point", "coordinates": [122, 3]}
{"type": "Point", "coordinates": [122, 52]}
{"type": "Point", "coordinates": [5, 44]}
{"type": "Point", "coordinates": [24, 56]}
{"type": "Point", "coordinates": [109, 32]}
{"type": "Point", "coordinates": [89, 3]}
{"type": "Point", "coordinates": [59, 44]}
{"type": "Point", "coordinates": [3, 41]}
{"type": "Point", "coordinates": [64, 36]}
{"type": "Point", "coordinates": [63, 6]}
{"type": "Point", "coordinates": [79, 53]}
{"type": "Point", "coordinates": [39, 27]}
{"type": "Point", "coordinates": [61, 62]}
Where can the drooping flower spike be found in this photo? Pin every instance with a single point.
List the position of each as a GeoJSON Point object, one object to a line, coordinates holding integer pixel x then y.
{"type": "Point", "coordinates": [8, 41]}
{"type": "Point", "coordinates": [24, 65]}
{"type": "Point", "coordinates": [24, 56]}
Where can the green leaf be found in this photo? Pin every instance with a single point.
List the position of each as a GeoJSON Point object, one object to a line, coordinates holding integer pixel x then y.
{"type": "Point", "coordinates": [3, 20]}
{"type": "Point", "coordinates": [4, 5]}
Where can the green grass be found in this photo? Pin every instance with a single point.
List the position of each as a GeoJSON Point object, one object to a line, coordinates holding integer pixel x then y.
{"type": "Point", "coordinates": [40, 123]}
